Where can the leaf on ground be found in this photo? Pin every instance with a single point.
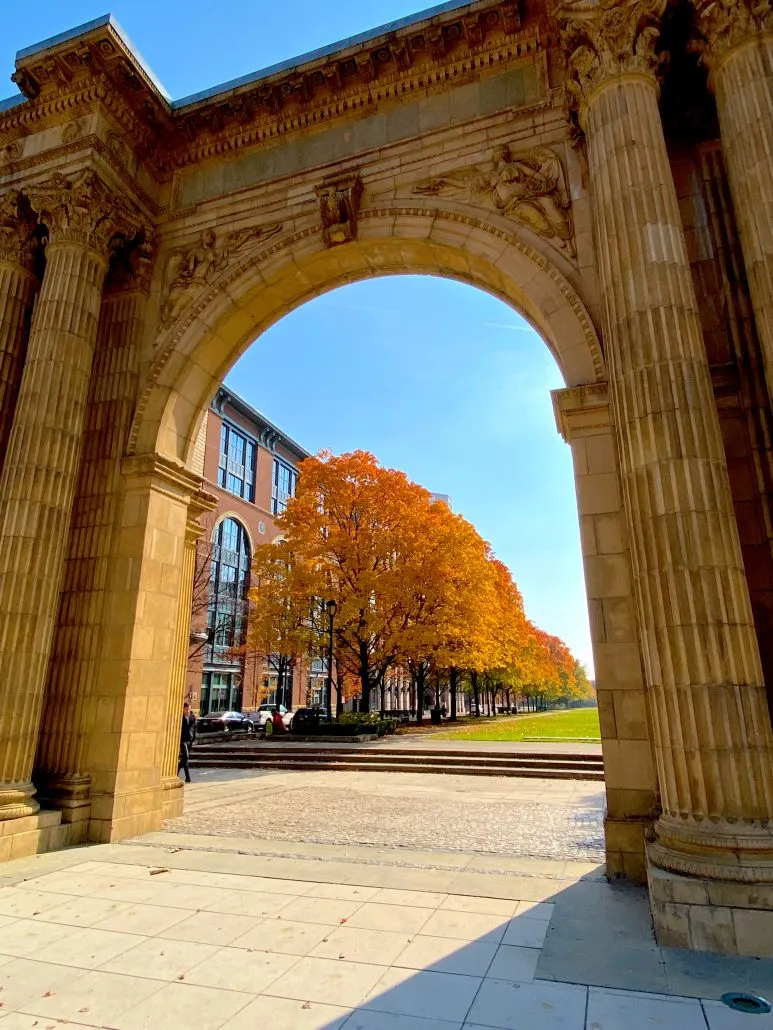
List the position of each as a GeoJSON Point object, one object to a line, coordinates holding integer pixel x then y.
{"type": "Point", "coordinates": [48, 994]}
{"type": "Point", "coordinates": [181, 976]}
{"type": "Point", "coordinates": [160, 869]}
{"type": "Point", "coordinates": [306, 1005]}
{"type": "Point", "coordinates": [343, 920]}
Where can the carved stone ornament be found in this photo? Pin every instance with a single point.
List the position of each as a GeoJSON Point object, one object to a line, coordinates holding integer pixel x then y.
{"type": "Point", "coordinates": [725, 24]}
{"type": "Point", "coordinates": [17, 225]}
{"type": "Point", "coordinates": [605, 39]}
{"type": "Point", "coordinates": [188, 272]}
{"type": "Point", "coordinates": [529, 187]}
{"type": "Point", "coordinates": [130, 268]}
{"type": "Point", "coordinates": [11, 151]}
{"type": "Point", "coordinates": [339, 202]}
{"type": "Point", "coordinates": [83, 210]}
{"type": "Point", "coordinates": [73, 130]}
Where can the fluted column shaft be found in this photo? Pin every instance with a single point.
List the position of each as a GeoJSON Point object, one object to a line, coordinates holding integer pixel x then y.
{"type": "Point", "coordinates": [739, 52]}
{"type": "Point", "coordinates": [39, 475]}
{"type": "Point", "coordinates": [61, 764]}
{"type": "Point", "coordinates": [18, 286]}
{"type": "Point", "coordinates": [36, 492]}
{"type": "Point", "coordinates": [713, 741]}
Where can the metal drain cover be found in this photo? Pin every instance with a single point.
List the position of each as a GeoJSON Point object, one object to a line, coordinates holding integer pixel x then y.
{"type": "Point", "coordinates": [752, 1004]}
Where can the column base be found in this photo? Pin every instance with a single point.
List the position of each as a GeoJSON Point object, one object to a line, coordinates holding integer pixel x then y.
{"type": "Point", "coordinates": [733, 852]}
{"type": "Point", "coordinates": [71, 795]}
{"type": "Point", "coordinates": [17, 801]}
{"type": "Point", "coordinates": [710, 915]}
{"type": "Point", "coordinates": [118, 816]}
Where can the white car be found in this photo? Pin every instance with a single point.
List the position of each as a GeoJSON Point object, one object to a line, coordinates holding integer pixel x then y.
{"type": "Point", "coordinates": [264, 714]}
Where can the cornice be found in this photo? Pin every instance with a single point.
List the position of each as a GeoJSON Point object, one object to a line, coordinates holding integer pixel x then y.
{"type": "Point", "coordinates": [97, 69]}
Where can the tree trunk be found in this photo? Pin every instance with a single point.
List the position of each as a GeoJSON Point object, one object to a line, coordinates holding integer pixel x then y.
{"type": "Point", "coordinates": [475, 693]}
{"type": "Point", "coordinates": [365, 682]}
{"type": "Point", "coordinates": [421, 676]}
{"type": "Point", "coordinates": [453, 677]}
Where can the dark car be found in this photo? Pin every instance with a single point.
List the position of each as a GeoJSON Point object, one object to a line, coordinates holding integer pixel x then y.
{"type": "Point", "coordinates": [308, 718]}
{"type": "Point", "coordinates": [224, 722]}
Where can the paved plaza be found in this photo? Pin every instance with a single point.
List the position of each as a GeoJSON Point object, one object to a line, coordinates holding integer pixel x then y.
{"type": "Point", "coordinates": [189, 930]}
{"type": "Point", "coordinates": [550, 819]}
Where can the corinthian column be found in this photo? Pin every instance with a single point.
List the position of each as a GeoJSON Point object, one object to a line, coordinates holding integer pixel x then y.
{"type": "Point", "coordinates": [38, 478]}
{"type": "Point", "coordinates": [17, 290]}
{"type": "Point", "coordinates": [713, 739]}
{"type": "Point", "coordinates": [738, 49]}
{"type": "Point", "coordinates": [60, 773]}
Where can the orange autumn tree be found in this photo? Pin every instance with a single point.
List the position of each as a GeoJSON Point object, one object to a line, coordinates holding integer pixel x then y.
{"type": "Point", "coordinates": [362, 534]}
{"type": "Point", "coordinates": [279, 629]}
{"type": "Point", "coordinates": [454, 586]}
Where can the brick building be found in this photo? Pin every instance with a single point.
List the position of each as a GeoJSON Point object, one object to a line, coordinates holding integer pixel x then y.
{"type": "Point", "coordinates": [251, 466]}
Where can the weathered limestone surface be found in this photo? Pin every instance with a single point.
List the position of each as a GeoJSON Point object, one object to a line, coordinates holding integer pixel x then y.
{"type": "Point", "coordinates": [712, 734]}
{"type": "Point", "coordinates": [584, 420]}
{"type": "Point", "coordinates": [61, 772]}
{"type": "Point", "coordinates": [18, 286]}
{"type": "Point", "coordinates": [738, 50]}
{"type": "Point", "coordinates": [38, 480]}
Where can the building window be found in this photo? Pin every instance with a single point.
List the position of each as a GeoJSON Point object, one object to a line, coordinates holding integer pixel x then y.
{"type": "Point", "coordinates": [236, 469]}
{"type": "Point", "coordinates": [285, 478]}
{"type": "Point", "coordinates": [220, 692]}
{"type": "Point", "coordinates": [229, 583]}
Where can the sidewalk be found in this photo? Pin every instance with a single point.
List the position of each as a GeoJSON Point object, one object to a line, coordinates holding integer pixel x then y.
{"type": "Point", "coordinates": [190, 934]}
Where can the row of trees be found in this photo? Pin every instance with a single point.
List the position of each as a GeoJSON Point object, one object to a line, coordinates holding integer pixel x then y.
{"type": "Point", "coordinates": [415, 587]}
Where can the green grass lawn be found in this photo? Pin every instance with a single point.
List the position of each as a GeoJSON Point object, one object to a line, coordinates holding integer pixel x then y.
{"type": "Point", "coordinates": [572, 725]}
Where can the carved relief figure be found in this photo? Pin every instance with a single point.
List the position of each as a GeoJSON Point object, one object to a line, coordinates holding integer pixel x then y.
{"type": "Point", "coordinates": [339, 202]}
{"type": "Point", "coordinates": [529, 187]}
{"type": "Point", "coordinates": [188, 272]}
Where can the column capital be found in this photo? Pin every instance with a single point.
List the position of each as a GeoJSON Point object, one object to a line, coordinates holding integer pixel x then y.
{"type": "Point", "coordinates": [726, 25]}
{"type": "Point", "coordinates": [606, 40]}
{"type": "Point", "coordinates": [17, 225]}
{"type": "Point", "coordinates": [83, 210]}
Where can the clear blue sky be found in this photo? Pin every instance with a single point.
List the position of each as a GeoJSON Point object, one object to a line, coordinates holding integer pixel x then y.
{"type": "Point", "coordinates": [434, 377]}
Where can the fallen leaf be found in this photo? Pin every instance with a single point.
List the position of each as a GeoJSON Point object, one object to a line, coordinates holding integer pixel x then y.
{"type": "Point", "coordinates": [342, 956]}
{"type": "Point", "coordinates": [36, 913]}
{"type": "Point", "coordinates": [48, 994]}
{"type": "Point", "coordinates": [306, 1005]}
{"type": "Point", "coordinates": [155, 872]}
{"type": "Point", "coordinates": [343, 920]}
{"type": "Point", "coordinates": [86, 1009]}
{"type": "Point", "coordinates": [181, 976]}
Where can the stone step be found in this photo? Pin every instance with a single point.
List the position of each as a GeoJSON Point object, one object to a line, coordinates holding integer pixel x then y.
{"type": "Point", "coordinates": [376, 754]}
{"type": "Point", "coordinates": [547, 767]}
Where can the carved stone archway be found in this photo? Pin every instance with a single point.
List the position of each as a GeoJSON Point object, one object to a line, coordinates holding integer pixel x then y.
{"type": "Point", "coordinates": [516, 147]}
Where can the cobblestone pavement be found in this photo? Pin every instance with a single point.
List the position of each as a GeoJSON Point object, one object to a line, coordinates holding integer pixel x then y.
{"type": "Point", "coordinates": [536, 818]}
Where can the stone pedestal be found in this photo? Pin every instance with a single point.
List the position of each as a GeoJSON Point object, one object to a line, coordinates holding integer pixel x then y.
{"type": "Point", "coordinates": [711, 732]}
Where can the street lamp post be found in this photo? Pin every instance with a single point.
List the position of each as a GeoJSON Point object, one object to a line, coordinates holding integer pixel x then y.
{"type": "Point", "coordinates": [331, 614]}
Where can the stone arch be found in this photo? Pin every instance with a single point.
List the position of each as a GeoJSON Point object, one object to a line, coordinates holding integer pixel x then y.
{"type": "Point", "coordinates": [195, 354]}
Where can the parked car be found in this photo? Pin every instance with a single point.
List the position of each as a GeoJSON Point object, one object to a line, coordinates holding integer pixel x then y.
{"type": "Point", "coordinates": [265, 712]}
{"type": "Point", "coordinates": [306, 718]}
{"type": "Point", "coordinates": [225, 722]}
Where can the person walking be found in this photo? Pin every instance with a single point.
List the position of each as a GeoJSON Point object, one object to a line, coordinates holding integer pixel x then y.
{"type": "Point", "coordinates": [187, 736]}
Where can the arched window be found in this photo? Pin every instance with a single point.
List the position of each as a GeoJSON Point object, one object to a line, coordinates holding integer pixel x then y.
{"type": "Point", "coordinates": [226, 616]}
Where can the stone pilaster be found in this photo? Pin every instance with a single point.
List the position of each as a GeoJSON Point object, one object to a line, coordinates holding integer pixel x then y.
{"type": "Point", "coordinates": [170, 741]}
{"type": "Point", "coordinates": [712, 736]}
{"type": "Point", "coordinates": [39, 474]}
{"type": "Point", "coordinates": [584, 420]}
{"type": "Point", "coordinates": [738, 49]}
{"type": "Point", "coordinates": [81, 631]}
{"type": "Point", "coordinates": [18, 286]}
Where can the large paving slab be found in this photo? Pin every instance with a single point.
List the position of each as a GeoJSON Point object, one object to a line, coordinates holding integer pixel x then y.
{"type": "Point", "coordinates": [189, 932]}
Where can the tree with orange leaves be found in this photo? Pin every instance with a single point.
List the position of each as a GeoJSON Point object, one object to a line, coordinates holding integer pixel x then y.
{"type": "Point", "coordinates": [363, 534]}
